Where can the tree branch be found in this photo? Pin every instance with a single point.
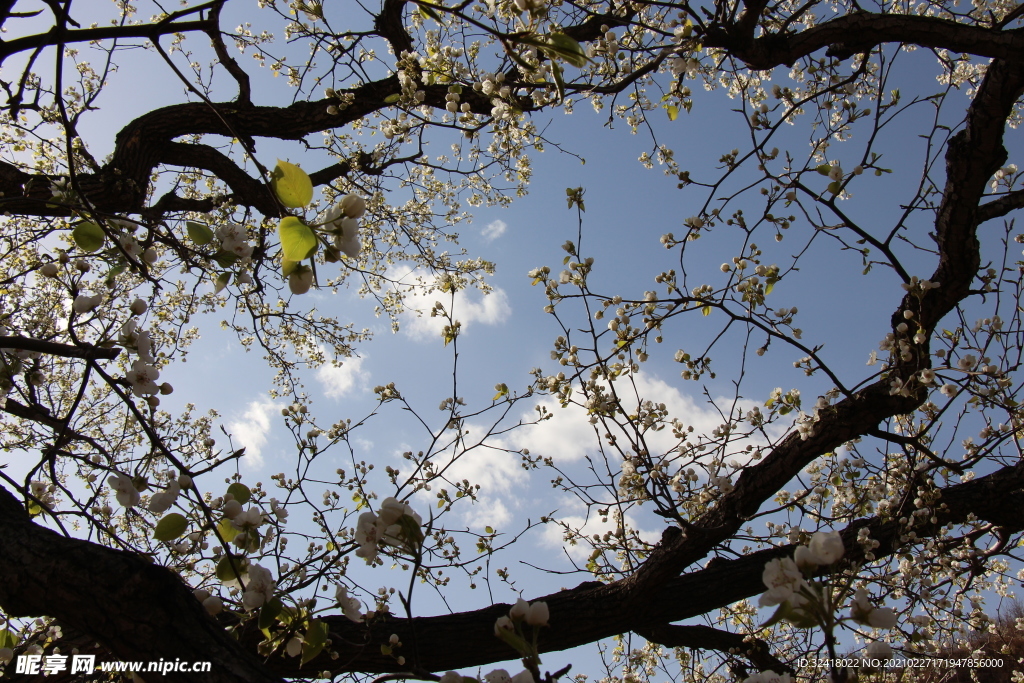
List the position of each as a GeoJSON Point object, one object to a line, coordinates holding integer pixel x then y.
{"type": "Point", "coordinates": [998, 208]}
{"type": "Point", "coordinates": [861, 31]}
{"type": "Point", "coordinates": [139, 611]}
{"type": "Point", "coordinates": [56, 349]}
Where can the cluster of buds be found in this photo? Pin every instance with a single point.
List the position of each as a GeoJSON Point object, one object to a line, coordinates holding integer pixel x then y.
{"type": "Point", "coordinates": [510, 630]}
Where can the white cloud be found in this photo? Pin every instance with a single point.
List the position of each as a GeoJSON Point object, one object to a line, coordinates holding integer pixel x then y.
{"type": "Point", "coordinates": [469, 307]}
{"type": "Point", "coordinates": [251, 431]}
{"type": "Point", "coordinates": [553, 535]}
{"type": "Point", "coordinates": [338, 380]}
{"type": "Point", "coordinates": [502, 480]}
{"type": "Point", "coordinates": [494, 230]}
{"type": "Point", "coordinates": [568, 435]}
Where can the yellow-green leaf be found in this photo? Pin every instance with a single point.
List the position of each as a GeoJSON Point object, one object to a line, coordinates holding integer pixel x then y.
{"type": "Point", "coordinates": [7, 639]}
{"type": "Point", "coordinates": [292, 185]}
{"type": "Point", "coordinates": [222, 281]}
{"type": "Point", "coordinates": [199, 233]}
{"type": "Point", "coordinates": [227, 530]}
{"type": "Point", "coordinates": [391, 99]}
{"type": "Point", "coordinates": [288, 267]}
{"type": "Point", "coordinates": [297, 239]}
{"type": "Point", "coordinates": [706, 310]}
{"type": "Point", "coordinates": [241, 492]}
{"type": "Point", "coordinates": [673, 112]}
{"type": "Point", "coordinates": [428, 12]}
{"type": "Point", "coordinates": [88, 236]}
{"type": "Point", "coordinates": [172, 526]}
{"type": "Point", "coordinates": [567, 48]}
{"type": "Point", "coordinates": [313, 643]}
{"type": "Point", "coordinates": [556, 72]}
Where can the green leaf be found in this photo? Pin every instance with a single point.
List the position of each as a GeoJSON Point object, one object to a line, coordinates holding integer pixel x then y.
{"type": "Point", "coordinates": [428, 12]}
{"type": "Point", "coordinates": [780, 613]}
{"type": "Point", "coordinates": [113, 273]}
{"type": "Point", "coordinates": [768, 288]}
{"type": "Point", "coordinates": [391, 99]}
{"type": "Point", "coordinates": [225, 259]}
{"type": "Point", "coordinates": [706, 310]}
{"type": "Point", "coordinates": [222, 281]}
{"type": "Point", "coordinates": [824, 169]}
{"type": "Point", "coordinates": [172, 526]}
{"type": "Point", "coordinates": [556, 72]}
{"type": "Point", "coordinates": [225, 570]}
{"type": "Point", "coordinates": [227, 530]}
{"type": "Point", "coordinates": [7, 639]}
{"type": "Point", "coordinates": [561, 45]}
{"type": "Point", "coordinates": [292, 185]}
{"type": "Point", "coordinates": [288, 267]}
{"type": "Point", "coordinates": [488, 530]}
{"type": "Point", "coordinates": [297, 239]}
{"type": "Point", "coordinates": [88, 236]}
{"type": "Point", "coordinates": [268, 613]}
{"type": "Point", "coordinates": [241, 492]}
{"type": "Point", "coordinates": [316, 638]}
{"type": "Point", "coordinates": [199, 233]}
{"type": "Point", "coordinates": [673, 112]}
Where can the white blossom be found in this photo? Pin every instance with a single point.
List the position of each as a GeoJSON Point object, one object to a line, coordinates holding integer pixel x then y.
{"type": "Point", "coordinates": [125, 490]}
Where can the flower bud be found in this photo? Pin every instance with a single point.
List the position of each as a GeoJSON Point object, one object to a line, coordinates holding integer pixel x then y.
{"type": "Point", "coordinates": [138, 307]}
{"type": "Point", "coordinates": [300, 280]}
{"type": "Point", "coordinates": [518, 611]}
{"type": "Point", "coordinates": [353, 206]}
{"type": "Point", "coordinates": [538, 614]}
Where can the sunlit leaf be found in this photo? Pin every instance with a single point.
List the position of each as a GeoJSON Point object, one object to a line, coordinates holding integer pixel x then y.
{"type": "Point", "coordinates": [567, 48]}
{"type": "Point", "coordinates": [297, 239]}
{"type": "Point", "coordinates": [292, 185]}
{"type": "Point", "coordinates": [227, 530]}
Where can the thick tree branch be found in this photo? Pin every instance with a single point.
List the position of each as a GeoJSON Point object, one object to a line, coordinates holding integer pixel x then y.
{"type": "Point", "coordinates": [861, 31]}
{"type": "Point", "coordinates": [581, 615]}
{"type": "Point", "coordinates": [57, 349]}
{"type": "Point", "coordinates": [60, 36]}
{"type": "Point", "coordinates": [998, 208]}
{"type": "Point", "coordinates": [139, 611]}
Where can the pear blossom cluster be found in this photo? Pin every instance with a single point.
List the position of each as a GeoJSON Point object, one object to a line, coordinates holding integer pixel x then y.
{"type": "Point", "coordinates": [350, 607]}
{"type": "Point", "coordinates": [259, 587]}
{"type": "Point", "coordinates": [396, 524]}
{"type": "Point", "coordinates": [343, 221]}
{"type": "Point", "coordinates": [124, 489]}
{"type": "Point", "coordinates": [233, 238]}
